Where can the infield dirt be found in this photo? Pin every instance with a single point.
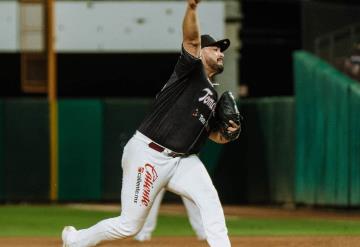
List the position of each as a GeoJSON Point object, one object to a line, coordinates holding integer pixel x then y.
{"type": "Point", "coordinates": [337, 241]}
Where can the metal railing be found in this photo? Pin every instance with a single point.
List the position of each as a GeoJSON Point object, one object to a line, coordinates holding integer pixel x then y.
{"type": "Point", "coordinates": [337, 44]}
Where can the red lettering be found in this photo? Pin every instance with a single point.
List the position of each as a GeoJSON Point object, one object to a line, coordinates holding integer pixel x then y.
{"type": "Point", "coordinates": [152, 170]}
{"type": "Point", "coordinates": [150, 178]}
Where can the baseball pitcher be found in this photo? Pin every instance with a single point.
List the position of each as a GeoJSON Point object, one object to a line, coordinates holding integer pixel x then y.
{"type": "Point", "coordinates": [163, 151]}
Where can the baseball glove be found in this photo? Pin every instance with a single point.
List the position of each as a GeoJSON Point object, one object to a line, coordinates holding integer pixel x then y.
{"type": "Point", "coordinates": [226, 110]}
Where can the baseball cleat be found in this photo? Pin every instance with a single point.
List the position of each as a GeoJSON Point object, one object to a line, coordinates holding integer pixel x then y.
{"type": "Point", "coordinates": [201, 238]}
{"type": "Point", "coordinates": [66, 234]}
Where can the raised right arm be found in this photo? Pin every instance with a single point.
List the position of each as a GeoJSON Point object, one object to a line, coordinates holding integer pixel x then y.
{"type": "Point", "coordinates": [191, 29]}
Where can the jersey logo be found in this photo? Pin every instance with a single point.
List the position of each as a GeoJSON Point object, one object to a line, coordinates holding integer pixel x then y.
{"type": "Point", "coordinates": [207, 99]}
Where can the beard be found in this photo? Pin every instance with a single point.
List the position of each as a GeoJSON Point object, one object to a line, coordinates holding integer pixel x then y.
{"type": "Point", "coordinates": [218, 68]}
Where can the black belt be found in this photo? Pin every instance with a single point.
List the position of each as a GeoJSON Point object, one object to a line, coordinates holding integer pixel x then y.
{"type": "Point", "coordinates": [161, 149]}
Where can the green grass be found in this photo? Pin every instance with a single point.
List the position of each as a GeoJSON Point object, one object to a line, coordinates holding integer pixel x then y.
{"type": "Point", "coordinates": [49, 221]}
{"type": "Point", "coordinates": [44, 220]}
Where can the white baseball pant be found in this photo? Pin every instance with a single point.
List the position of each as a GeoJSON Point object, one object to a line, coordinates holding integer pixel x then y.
{"type": "Point", "coordinates": [151, 220]}
{"type": "Point", "coordinates": [145, 173]}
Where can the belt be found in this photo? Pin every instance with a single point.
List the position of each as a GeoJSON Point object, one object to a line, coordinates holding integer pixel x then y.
{"type": "Point", "coordinates": [161, 149]}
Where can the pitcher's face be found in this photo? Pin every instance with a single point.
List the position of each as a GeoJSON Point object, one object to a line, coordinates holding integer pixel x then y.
{"type": "Point", "coordinates": [213, 59]}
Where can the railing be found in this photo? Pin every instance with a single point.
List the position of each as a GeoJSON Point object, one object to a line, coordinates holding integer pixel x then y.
{"type": "Point", "coordinates": [337, 44]}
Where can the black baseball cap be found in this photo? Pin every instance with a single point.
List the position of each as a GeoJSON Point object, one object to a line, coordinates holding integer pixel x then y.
{"type": "Point", "coordinates": [207, 40]}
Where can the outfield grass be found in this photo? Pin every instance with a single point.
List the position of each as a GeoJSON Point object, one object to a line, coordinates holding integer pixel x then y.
{"type": "Point", "coordinates": [49, 221]}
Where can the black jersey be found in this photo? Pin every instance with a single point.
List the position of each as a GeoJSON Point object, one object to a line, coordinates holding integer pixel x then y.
{"type": "Point", "coordinates": [182, 114]}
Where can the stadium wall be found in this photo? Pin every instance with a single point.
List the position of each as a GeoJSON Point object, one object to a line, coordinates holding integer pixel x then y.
{"type": "Point", "coordinates": [259, 166]}
{"type": "Point", "coordinates": [92, 133]}
{"type": "Point", "coordinates": [1, 150]}
{"type": "Point", "coordinates": [327, 134]}
{"type": "Point", "coordinates": [304, 152]}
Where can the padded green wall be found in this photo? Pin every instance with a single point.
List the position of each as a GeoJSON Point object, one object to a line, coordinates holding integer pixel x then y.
{"type": "Point", "coordinates": [325, 117]}
{"type": "Point", "coordinates": [92, 133]}
{"type": "Point", "coordinates": [2, 176]}
{"type": "Point", "coordinates": [304, 191]}
{"type": "Point", "coordinates": [282, 150]}
{"type": "Point", "coordinates": [259, 166]}
{"type": "Point", "coordinates": [354, 154]}
{"type": "Point", "coordinates": [210, 155]}
{"type": "Point", "coordinates": [121, 119]}
{"type": "Point", "coordinates": [80, 149]}
{"type": "Point", "coordinates": [26, 148]}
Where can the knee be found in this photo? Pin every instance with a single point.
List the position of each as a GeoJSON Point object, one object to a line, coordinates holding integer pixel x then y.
{"type": "Point", "coordinates": [132, 227]}
{"type": "Point", "coordinates": [132, 230]}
